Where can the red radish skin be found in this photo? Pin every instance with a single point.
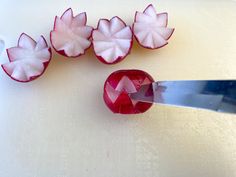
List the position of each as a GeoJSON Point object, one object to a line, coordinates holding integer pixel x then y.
{"type": "Point", "coordinates": [162, 26]}
{"type": "Point", "coordinates": [45, 64]}
{"type": "Point", "coordinates": [82, 23]}
{"type": "Point", "coordinates": [94, 40]}
{"type": "Point", "coordinates": [119, 85]}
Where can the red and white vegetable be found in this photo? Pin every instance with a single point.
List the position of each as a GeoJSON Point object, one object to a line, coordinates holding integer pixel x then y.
{"type": "Point", "coordinates": [119, 85]}
{"type": "Point", "coordinates": [112, 40]}
{"type": "Point", "coordinates": [28, 60]}
{"type": "Point", "coordinates": [150, 29]}
{"type": "Point", "coordinates": [70, 35]}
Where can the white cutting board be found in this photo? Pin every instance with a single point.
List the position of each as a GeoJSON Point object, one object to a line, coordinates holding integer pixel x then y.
{"type": "Point", "coordinates": [58, 125]}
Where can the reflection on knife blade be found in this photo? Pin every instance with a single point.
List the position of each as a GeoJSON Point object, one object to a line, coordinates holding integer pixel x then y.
{"type": "Point", "coordinates": [218, 95]}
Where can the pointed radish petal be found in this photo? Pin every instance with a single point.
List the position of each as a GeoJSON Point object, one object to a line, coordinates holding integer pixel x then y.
{"type": "Point", "coordinates": [138, 27]}
{"type": "Point", "coordinates": [82, 42]}
{"type": "Point", "coordinates": [126, 84]}
{"type": "Point", "coordinates": [142, 35]}
{"type": "Point", "coordinates": [162, 19]}
{"type": "Point", "coordinates": [158, 40]}
{"type": "Point", "coordinates": [84, 31]}
{"type": "Point", "coordinates": [26, 42]}
{"type": "Point", "coordinates": [58, 39]}
{"type": "Point", "coordinates": [98, 36]}
{"type": "Point", "coordinates": [100, 46]}
{"type": "Point", "coordinates": [112, 93]}
{"type": "Point", "coordinates": [9, 67]}
{"type": "Point", "coordinates": [68, 48]}
{"type": "Point", "coordinates": [43, 55]}
{"type": "Point", "coordinates": [165, 32]}
{"type": "Point", "coordinates": [148, 41]}
{"type": "Point", "coordinates": [34, 64]}
{"type": "Point", "coordinates": [67, 17]}
{"type": "Point", "coordinates": [150, 10]}
{"type": "Point", "coordinates": [70, 43]}
{"type": "Point", "coordinates": [16, 53]}
{"type": "Point", "coordinates": [104, 26]}
{"type": "Point", "coordinates": [31, 72]}
{"type": "Point", "coordinates": [89, 30]}
{"type": "Point", "coordinates": [119, 52]}
{"type": "Point", "coordinates": [60, 26]}
{"type": "Point", "coordinates": [32, 68]}
{"type": "Point", "coordinates": [79, 49]}
{"type": "Point", "coordinates": [140, 17]}
{"type": "Point", "coordinates": [41, 44]}
{"type": "Point", "coordinates": [85, 43]}
{"type": "Point", "coordinates": [108, 55]}
{"type": "Point", "coordinates": [116, 25]}
{"type": "Point", "coordinates": [79, 20]}
{"type": "Point", "coordinates": [75, 49]}
{"type": "Point", "coordinates": [125, 33]}
{"type": "Point", "coordinates": [19, 74]}
{"type": "Point", "coordinates": [123, 44]}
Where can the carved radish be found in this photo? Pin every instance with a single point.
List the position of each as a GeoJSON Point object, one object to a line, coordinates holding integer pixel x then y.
{"type": "Point", "coordinates": [150, 29]}
{"type": "Point", "coordinates": [112, 40]}
{"type": "Point", "coordinates": [28, 60]}
{"type": "Point", "coordinates": [119, 85]}
{"type": "Point", "coordinates": [70, 35]}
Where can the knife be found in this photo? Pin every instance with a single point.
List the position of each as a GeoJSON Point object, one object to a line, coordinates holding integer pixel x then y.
{"type": "Point", "coordinates": [215, 95]}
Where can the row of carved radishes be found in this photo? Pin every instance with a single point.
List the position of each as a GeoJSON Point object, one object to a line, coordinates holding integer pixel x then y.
{"type": "Point", "coordinates": [111, 40]}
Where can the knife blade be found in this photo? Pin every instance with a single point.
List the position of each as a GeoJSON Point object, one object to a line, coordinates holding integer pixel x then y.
{"type": "Point", "coordinates": [216, 95]}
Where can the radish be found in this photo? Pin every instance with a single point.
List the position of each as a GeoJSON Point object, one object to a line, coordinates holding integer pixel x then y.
{"type": "Point", "coordinates": [119, 85]}
{"type": "Point", "coordinates": [70, 35]}
{"type": "Point", "coordinates": [112, 40]}
{"type": "Point", "coordinates": [28, 60]}
{"type": "Point", "coordinates": [150, 29]}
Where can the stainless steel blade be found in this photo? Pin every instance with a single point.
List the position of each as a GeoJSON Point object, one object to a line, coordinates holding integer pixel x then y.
{"type": "Point", "coordinates": [217, 95]}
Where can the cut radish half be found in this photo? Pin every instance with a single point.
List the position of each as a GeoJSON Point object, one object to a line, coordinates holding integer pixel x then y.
{"type": "Point", "coordinates": [28, 60]}
{"type": "Point", "coordinates": [150, 29]}
{"type": "Point", "coordinates": [70, 35]}
{"type": "Point", "coordinates": [112, 40]}
{"type": "Point", "coordinates": [119, 85]}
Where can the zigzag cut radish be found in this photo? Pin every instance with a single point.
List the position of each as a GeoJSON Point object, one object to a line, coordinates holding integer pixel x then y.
{"type": "Point", "coordinates": [112, 40]}
{"type": "Point", "coordinates": [150, 29]}
{"type": "Point", "coordinates": [119, 85]}
{"type": "Point", "coordinates": [70, 35]}
{"type": "Point", "coordinates": [28, 60]}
